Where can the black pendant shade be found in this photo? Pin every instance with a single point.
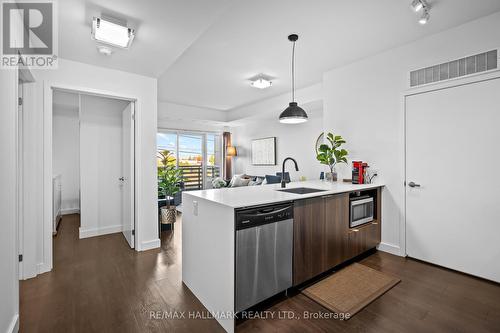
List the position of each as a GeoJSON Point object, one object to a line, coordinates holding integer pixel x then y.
{"type": "Point", "coordinates": [293, 114]}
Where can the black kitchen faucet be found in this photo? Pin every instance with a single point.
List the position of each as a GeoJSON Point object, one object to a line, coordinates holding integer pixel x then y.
{"type": "Point", "coordinates": [283, 180]}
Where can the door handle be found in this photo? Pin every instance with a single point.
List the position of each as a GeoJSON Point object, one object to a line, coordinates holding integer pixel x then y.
{"type": "Point", "coordinates": [122, 179]}
{"type": "Point", "coordinates": [412, 184]}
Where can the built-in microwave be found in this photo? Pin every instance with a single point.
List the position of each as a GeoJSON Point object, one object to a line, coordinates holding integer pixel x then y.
{"type": "Point", "coordinates": [361, 210]}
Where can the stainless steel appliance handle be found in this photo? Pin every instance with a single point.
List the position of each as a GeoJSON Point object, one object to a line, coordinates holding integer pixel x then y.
{"type": "Point", "coordinates": [360, 202]}
{"type": "Point", "coordinates": [269, 212]}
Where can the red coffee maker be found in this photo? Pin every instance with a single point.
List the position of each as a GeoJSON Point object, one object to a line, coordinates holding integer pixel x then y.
{"type": "Point", "coordinates": [358, 171]}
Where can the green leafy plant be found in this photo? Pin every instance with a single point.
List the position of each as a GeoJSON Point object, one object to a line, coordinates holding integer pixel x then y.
{"type": "Point", "coordinates": [331, 154]}
{"type": "Point", "coordinates": [169, 176]}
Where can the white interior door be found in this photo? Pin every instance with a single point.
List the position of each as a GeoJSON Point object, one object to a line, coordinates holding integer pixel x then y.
{"type": "Point", "coordinates": [127, 178]}
{"type": "Point", "coordinates": [453, 208]}
{"type": "Point", "coordinates": [101, 156]}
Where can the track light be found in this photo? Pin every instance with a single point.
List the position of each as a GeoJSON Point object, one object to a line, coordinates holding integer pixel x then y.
{"type": "Point", "coordinates": [424, 18]}
{"type": "Point", "coordinates": [417, 5]}
{"type": "Point", "coordinates": [421, 6]}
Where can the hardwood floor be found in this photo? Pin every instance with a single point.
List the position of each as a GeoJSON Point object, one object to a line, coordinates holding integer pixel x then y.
{"type": "Point", "coordinates": [100, 285]}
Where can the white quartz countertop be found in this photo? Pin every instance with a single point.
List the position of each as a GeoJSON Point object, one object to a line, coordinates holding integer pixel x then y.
{"type": "Point", "coordinates": [238, 197]}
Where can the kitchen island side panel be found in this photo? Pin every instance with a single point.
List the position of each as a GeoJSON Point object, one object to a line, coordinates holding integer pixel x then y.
{"type": "Point", "coordinates": [208, 255]}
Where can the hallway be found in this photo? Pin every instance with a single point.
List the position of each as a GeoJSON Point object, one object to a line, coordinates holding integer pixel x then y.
{"type": "Point", "coordinates": [99, 284]}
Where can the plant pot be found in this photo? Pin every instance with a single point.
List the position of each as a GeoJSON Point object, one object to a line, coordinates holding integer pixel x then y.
{"type": "Point", "coordinates": [334, 176]}
{"type": "Point", "coordinates": [331, 176]}
{"type": "Point", "coordinates": [168, 215]}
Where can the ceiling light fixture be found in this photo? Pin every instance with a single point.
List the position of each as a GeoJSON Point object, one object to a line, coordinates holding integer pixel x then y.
{"type": "Point", "coordinates": [421, 6]}
{"type": "Point", "coordinates": [112, 33]}
{"type": "Point", "coordinates": [424, 18]}
{"type": "Point", "coordinates": [104, 50]}
{"type": "Point", "coordinates": [418, 5]}
{"type": "Point", "coordinates": [261, 82]}
{"type": "Point", "coordinates": [293, 114]}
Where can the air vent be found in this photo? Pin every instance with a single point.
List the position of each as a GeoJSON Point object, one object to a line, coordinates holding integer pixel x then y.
{"type": "Point", "coordinates": [462, 67]}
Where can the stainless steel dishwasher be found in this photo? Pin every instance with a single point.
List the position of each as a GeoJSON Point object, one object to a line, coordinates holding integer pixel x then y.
{"type": "Point", "coordinates": [264, 245]}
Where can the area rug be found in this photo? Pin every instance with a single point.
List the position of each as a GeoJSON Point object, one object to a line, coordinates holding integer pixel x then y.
{"type": "Point", "coordinates": [350, 289]}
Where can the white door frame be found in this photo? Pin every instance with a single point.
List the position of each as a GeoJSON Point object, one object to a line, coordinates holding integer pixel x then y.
{"type": "Point", "coordinates": [48, 89]}
{"type": "Point", "coordinates": [491, 75]}
{"type": "Point", "coordinates": [24, 76]}
{"type": "Point", "coordinates": [20, 175]}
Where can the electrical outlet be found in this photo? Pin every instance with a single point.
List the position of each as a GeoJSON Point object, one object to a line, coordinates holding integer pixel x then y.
{"type": "Point", "coordinates": [195, 208]}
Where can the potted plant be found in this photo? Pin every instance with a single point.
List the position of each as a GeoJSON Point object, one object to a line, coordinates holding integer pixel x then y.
{"type": "Point", "coordinates": [169, 179]}
{"type": "Point", "coordinates": [331, 154]}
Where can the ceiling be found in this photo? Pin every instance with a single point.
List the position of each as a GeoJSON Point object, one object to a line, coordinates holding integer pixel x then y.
{"type": "Point", "coordinates": [164, 30]}
{"type": "Point", "coordinates": [204, 52]}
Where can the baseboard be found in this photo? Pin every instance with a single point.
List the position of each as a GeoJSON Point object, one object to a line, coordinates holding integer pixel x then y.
{"type": "Point", "coordinates": [68, 211]}
{"type": "Point", "coordinates": [14, 325]}
{"type": "Point", "coordinates": [92, 232]}
{"type": "Point", "coordinates": [149, 245]}
{"type": "Point", "coordinates": [390, 248]}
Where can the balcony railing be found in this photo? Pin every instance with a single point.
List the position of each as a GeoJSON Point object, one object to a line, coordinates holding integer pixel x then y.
{"type": "Point", "coordinates": [192, 175]}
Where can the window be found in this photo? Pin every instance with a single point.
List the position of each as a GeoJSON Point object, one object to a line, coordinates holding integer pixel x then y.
{"type": "Point", "coordinates": [198, 155]}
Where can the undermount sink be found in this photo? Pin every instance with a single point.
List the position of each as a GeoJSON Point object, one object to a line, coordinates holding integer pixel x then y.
{"type": "Point", "coordinates": [301, 190]}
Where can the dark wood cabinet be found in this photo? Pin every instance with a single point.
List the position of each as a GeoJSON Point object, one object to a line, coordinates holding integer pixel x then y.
{"type": "Point", "coordinates": [337, 225]}
{"type": "Point", "coordinates": [322, 237]}
{"type": "Point", "coordinates": [320, 230]}
{"type": "Point", "coordinates": [309, 255]}
{"type": "Point", "coordinates": [362, 239]}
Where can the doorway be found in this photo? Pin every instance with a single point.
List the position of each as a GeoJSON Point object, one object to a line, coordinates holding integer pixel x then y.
{"type": "Point", "coordinates": [451, 194]}
{"type": "Point", "coordinates": [93, 163]}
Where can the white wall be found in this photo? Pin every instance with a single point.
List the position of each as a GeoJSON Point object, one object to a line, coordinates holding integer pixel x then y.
{"type": "Point", "coordinates": [9, 284]}
{"type": "Point", "coordinates": [75, 75]}
{"type": "Point", "coordinates": [363, 102]}
{"type": "Point", "coordinates": [66, 156]}
{"type": "Point", "coordinates": [100, 165]}
{"type": "Point", "coordinates": [185, 117]}
{"type": "Point", "coordinates": [297, 141]}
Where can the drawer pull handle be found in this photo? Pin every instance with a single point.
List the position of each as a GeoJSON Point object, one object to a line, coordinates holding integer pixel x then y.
{"type": "Point", "coordinates": [375, 223]}
{"type": "Point", "coordinates": [355, 230]}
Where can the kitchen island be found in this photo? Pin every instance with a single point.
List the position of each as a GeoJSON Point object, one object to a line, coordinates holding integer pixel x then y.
{"type": "Point", "coordinates": [322, 237]}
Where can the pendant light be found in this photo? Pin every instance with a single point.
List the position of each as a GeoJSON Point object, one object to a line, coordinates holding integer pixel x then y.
{"type": "Point", "coordinates": [293, 114]}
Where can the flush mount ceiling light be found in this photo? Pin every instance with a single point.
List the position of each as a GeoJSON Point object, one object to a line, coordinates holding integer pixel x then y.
{"type": "Point", "coordinates": [108, 32]}
{"type": "Point", "coordinates": [293, 114]}
{"type": "Point", "coordinates": [261, 82]}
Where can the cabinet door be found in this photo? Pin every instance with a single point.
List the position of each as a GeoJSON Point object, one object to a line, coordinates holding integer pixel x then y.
{"type": "Point", "coordinates": [363, 238]}
{"type": "Point", "coordinates": [337, 226]}
{"type": "Point", "coordinates": [309, 257]}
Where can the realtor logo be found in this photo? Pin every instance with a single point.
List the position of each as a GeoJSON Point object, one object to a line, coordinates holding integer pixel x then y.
{"type": "Point", "coordinates": [28, 34]}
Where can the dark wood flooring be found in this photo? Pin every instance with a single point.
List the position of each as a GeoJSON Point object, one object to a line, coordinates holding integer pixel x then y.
{"type": "Point", "coordinates": [100, 285]}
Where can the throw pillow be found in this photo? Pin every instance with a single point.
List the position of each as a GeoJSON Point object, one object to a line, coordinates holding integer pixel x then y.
{"type": "Point", "coordinates": [233, 179]}
{"type": "Point", "coordinates": [241, 182]}
{"type": "Point", "coordinates": [270, 179]}
{"type": "Point", "coordinates": [256, 181]}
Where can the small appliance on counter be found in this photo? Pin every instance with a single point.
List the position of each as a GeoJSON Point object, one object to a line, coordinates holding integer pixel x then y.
{"type": "Point", "coordinates": [360, 174]}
